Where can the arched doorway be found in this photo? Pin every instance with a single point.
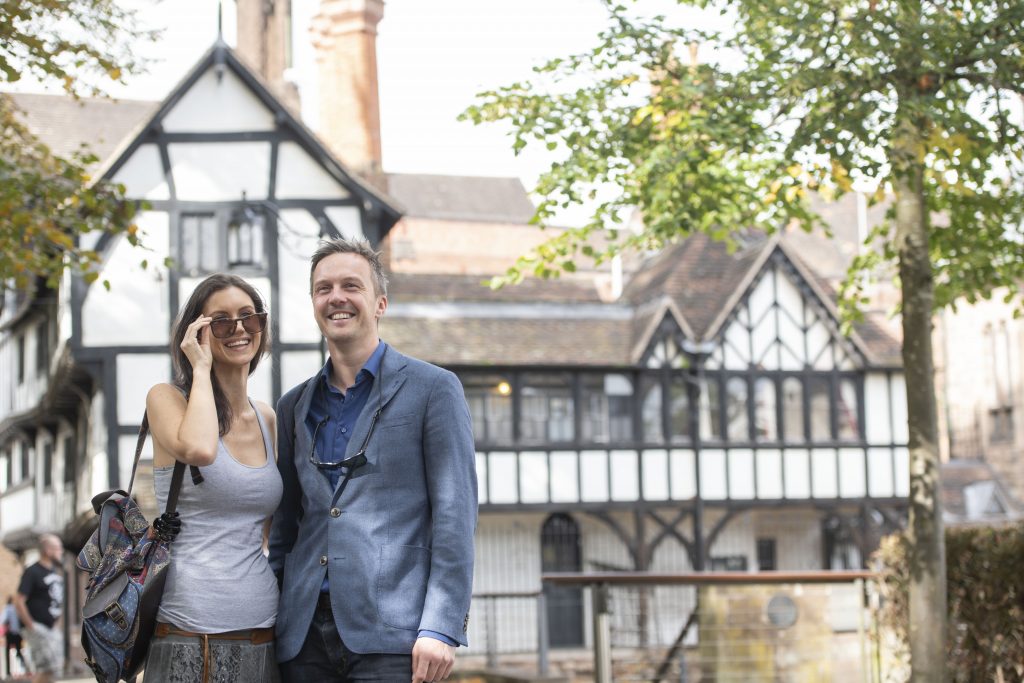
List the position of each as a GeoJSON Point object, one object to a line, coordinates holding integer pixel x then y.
{"type": "Point", "coordinates": [561, 551]}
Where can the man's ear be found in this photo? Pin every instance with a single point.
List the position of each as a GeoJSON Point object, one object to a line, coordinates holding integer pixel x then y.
{"type": "Point", "coordinates": [382, 305]}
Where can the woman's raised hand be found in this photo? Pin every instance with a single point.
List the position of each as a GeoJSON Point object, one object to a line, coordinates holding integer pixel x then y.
{"type": "Point", "coordinates": [196, 343]}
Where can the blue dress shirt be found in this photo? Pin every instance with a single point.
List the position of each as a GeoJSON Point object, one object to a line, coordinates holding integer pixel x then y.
{"type": "Point", "coordinates": [336, 414]}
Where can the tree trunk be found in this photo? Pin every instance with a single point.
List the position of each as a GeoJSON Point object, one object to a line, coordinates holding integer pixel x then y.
{"type": "Point", "coordinates": [927, 600]}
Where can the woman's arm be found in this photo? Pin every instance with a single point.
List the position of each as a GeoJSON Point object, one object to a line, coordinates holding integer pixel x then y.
{"type": "Point", "coordinates": [186, 431]}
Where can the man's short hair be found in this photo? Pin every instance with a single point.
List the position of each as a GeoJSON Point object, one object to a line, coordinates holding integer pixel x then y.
{"type": "Point", "coordinates": [48, 538]}
{"type": "Point", "coordinates": [359, 247]}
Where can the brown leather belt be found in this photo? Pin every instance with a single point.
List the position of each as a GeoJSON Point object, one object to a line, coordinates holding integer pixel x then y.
{"type": "Point", "coordinates": [256, 636]}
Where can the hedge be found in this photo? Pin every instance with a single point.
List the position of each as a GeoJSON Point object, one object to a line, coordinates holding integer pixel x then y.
{"type": "Point", "coordinates": [985, 582]}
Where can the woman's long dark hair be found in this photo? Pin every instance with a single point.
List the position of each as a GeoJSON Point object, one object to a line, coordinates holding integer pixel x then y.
{"type": "Point", "coordinates": [192, 310]}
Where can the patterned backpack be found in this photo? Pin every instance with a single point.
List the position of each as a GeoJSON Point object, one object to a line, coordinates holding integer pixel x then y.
{"type": "Point", "coordinates": [128, 562]}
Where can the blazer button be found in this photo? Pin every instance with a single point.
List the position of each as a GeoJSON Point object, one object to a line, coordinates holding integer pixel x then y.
{"type": "Point", "coordinates": [335, 512]}
{"type": "Point", "coordinates": [323, 559]}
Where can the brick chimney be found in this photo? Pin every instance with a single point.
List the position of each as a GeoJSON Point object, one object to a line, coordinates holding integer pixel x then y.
{"type": "Point", "coordinates": [264, 44]}
{"type": "Point", "coordinates": [345, 40]}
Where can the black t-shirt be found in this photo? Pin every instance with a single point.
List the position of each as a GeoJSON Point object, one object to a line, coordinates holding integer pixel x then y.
{"type": "Point", "coordinates": [44, 593]}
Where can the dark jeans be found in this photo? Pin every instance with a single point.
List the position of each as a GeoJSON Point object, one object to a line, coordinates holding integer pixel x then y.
{"type": "Point", "coordinates": [325, 659]}
{"type": "Point", "coordinates": [14, 643]}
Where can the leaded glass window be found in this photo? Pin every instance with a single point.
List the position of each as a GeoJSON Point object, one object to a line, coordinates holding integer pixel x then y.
{"type": "Point", "coordinates": [766, 426]}
{"type": "Point", "coordinates": [547, 410]}
{"type": "Point", "coordinates": [847, 420]}
{"type": "Point", "coordinates": [793, 410]}
{"type": "Point", "coordinates": [819, 389]}
{"type": "Point", "coordinates": [650, 409]}
{"type": "Point", "coordinates": [490, 404]}
{"type": "Point", "coordinates": [200, 247]}
{"type": "Point", "coordinates": [710, 417]}
{"type": "Point", "coordinates": [679, 409]}
{"type": "Point", "coordinates": [736, 409]}
{"type": "Point", "coordinates": [607, 408]}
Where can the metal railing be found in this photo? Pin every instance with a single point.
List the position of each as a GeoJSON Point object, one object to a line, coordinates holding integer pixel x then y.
{"type": "Point", "coordinates": [720, 626]}
{"type": "Point", "coordinates": [495, 606]}
{"type": "Point", "coordinates": [736, 628]}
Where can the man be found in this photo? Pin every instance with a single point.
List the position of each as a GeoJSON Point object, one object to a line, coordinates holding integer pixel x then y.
{"type": "Point", "coordinates": [373, 539]}
{"type": "Point", "coordinates": [39, 601]}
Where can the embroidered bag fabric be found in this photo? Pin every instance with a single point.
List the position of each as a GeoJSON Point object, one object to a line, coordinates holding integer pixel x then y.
{"type": "Point", "coordinates": [128, 566]}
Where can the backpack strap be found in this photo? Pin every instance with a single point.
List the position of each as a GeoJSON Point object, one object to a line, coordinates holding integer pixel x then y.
{"type": "Point", "coordinates": [179, 468]}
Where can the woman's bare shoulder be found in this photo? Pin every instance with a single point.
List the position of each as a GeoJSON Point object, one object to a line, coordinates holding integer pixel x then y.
{"type": "Point", "coordinates": [269, 416]}
{"type": "Point", "coordinates": [164, 394]}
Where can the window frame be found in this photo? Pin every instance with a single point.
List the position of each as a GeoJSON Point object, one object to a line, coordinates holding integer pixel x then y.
{"type": "Point", "coordinates": [221, 218]}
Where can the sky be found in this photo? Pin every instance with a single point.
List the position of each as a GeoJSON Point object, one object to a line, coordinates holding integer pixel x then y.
{"type": "Point", "coordinates": [433, 57]}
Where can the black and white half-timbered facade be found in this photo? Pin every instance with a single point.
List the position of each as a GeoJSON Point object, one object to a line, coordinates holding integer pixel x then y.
{"type": "Point", "coordinates": [228, 180]}
{"type": "Point", "coordinates": [710, 417]}
{"type": "Point", "coordinates": [233, 183]}
{"type": "Point", "coordinates": [706, 414]}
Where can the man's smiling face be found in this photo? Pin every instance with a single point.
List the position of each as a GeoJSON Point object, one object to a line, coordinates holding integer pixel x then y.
{"type": "Point", "coordinates": [345, 303]}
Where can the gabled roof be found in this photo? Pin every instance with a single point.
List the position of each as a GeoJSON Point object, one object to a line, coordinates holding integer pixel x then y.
{"type": "Point", "coordinates": [106, 126]}
{"type": "Point", "coordinates": [536, 339]}
{"type": "Point", "coordinates": [868, 335]}
{"type": "Point", "coordinates": [65, 124]}
{"type": "Point", "coordinates": [413, 287]}
{"type": "Point", "coordinates": [704, 283]}
{"type": "Point", "coordinates": [697, 274]}
{"type": "Point", "coordinates": [462, 198]}
{"type": "Point", "coordinates": [221, 56]}
{"type": "Point", "coordinates": [690, 288]}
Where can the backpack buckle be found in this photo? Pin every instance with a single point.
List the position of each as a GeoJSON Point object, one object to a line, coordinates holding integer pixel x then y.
{"type": "Point", "coordinates": [117, 615]}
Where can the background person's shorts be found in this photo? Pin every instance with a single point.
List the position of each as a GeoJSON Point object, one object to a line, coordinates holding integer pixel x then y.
{"type": "Point", "coordinates": [46, 648]}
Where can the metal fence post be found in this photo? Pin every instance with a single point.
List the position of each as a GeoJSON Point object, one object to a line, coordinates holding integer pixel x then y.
{"type": "Point", "coordinates": [602, 634]}
{"type": "Point", "coordinates": [543, 641]}
{"type": "Point", "coordinates": [492, 635]}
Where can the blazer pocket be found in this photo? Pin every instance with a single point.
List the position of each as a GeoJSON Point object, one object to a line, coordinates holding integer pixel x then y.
{"type": "Point", "coordinates": [388, 421]}
{"type": "Point", "coordinates": [402, 585]}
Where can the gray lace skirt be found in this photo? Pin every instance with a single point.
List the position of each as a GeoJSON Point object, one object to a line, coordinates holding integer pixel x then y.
{"type": "Point", "coordinates": [179, 659]}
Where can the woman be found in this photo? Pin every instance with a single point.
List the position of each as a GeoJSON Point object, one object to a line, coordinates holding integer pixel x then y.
{"type": "Point", "coordinates": [220, 602]}
{"type": "Point", "coordinates": [12, 635]}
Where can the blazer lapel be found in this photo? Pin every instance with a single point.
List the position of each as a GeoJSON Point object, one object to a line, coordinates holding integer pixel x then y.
{"type": "Point", "coordinates": [390, 372]}
{"type": "Point", "coordinates": [304, 440]}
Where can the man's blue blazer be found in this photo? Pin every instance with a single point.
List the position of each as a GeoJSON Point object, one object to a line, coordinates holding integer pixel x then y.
{"type": "Point", "coordinates": [399, 549]}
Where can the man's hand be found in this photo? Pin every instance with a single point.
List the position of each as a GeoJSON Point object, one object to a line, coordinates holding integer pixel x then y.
{"type": "Point", "coordinates": [432, 660]}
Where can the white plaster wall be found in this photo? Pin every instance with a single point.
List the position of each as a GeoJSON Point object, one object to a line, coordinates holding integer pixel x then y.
{"type": "Point", "coordinates": [136, 374]}
{"type": "Point", "coordinates": [134, 311]}
{"type": "Point", "coordinates": [298, 235]}
{"type": "Point", "coordinates": [877, 409]}
{"type": "Point", "coordinates": [143, 174]}
{"type": "Point", "coordinates": [218, 103]}
{"type": "Point", "coordinates": [299, 176]}
{"type": "Point", "coordinates": [220, 171]}
{"type": "Point", "coordinates": [797, 534]}
{"type": "Point", "coordinates": [96, 467]}
{"type": "Point", "coordinates": [24, 395]}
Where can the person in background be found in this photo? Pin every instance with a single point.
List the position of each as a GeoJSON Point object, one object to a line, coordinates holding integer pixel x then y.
{"type": "Point", "coordinates": [39, 603]}
{"type": "Point", "coordinates": [12, 636]}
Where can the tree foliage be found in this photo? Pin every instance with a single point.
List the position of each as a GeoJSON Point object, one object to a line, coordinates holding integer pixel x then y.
{"type": "Point", "coordinates": [47, 202]}
{"type": "Point", "coordinates": [812, 107]}
{"type": "Point", "coordinates": [921, 99]}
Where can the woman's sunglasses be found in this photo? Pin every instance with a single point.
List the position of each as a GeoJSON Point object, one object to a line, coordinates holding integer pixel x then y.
{"type": "Point", "coordinates": [222, 328]}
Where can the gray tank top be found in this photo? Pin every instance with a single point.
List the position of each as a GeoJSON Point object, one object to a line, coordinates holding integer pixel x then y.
{"type": "Point", "coordinates": [219, 579]}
